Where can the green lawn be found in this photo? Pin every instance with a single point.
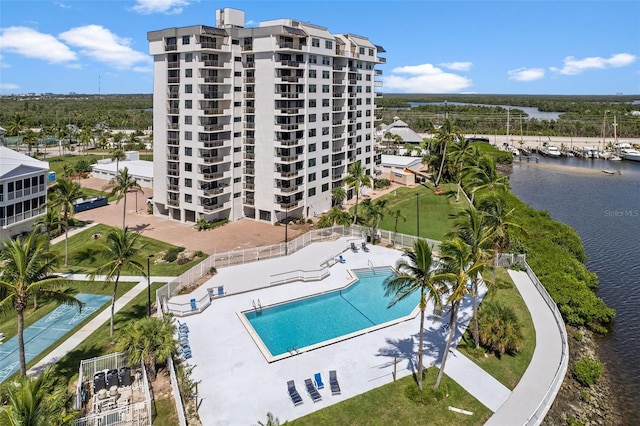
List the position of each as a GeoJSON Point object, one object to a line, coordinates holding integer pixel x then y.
{"type": "Point", "coordinates": [83, 257]}
{"type": "Point", "coordinates": [507, 369]}
{"type": "Point", "coordinates": [435, 211]}
{"type": "Point", "coordinates": [390, 405]}
{"type": "Point", "coordinates": [56, 164]}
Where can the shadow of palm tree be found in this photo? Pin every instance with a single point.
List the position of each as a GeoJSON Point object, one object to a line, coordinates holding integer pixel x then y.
{"type": "Point", "coordinates": [403, 349]}
{"type": "Point", "coordinates": [140, 227]}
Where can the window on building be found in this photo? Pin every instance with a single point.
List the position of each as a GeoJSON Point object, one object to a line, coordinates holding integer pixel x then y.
{"type": "Point", "coordinates": [313, 59]}
{"type": "Point", "coordinates": [188, 72]}
{"type": "Point", "coordinates": [237, 149]}
{"type": "Point", "coordinates": [325, 187]}
{"type": "Point", "coordinates": [368, 89]}
{"type": "Point", "coordinates": [237, 180]}
{"type": "Point", "coordinates": [188, 167]}
{"type": "Point", "coordinates": [188, 182]}
{"type": "Point", "coordinates": [237, 89]}
{"type": "Point", "coordinates": [185, 39]}
{"type": "Point", "coordinates": [188, 151]}
{"type": "Point", "coordinates": [312, 192]}
{"type": "Point", "coordinates": [367, 160]}
{"type": "Point", "coordinates": [188, 57]}
{"type": "Point", "coordinates": [312, 177]}
{"type": "Point", "coordinates": [370, 52]}
{"type": "Point", "coordinates": [325, 88]}
{"type": "Point", "coordinates": [315, 42]}
{"type": "Point", "coordinates": [326, 60]}
{"type": "Point", "coordinates": [325, 145]}
{"type": "Point", "coordinates": [312, 88]}
{"type": "Point", "coordinates": [325, 173]}
{"type": "Point", "coordinates": [325, 102]}
{"type": "Point", "coordinates": [312, 73]}
{"type": "Point", "coordinates": [367, 148]}
{"type": "Point", "coordinates": [312, 132]}
{"type": "Point", "coordinates": [328, 44]}
{"type": "Point", "coordinates": [188, 104]}
{"type": "Point", "coordinates": [312, 147]}
{"type": "Point", "coordinates": [325, 131]}
{"type": "Point", "coordinates": [235, 41]}
{"type": "Point", "coordinates": [368, 77]}
{"type": "Point", "coordinates": [188, 88]}
{"type": "Point", "coordinates": [188, 119]}
{"type": "Point", "coordinates": [238, 164]}
{"type": "Point", "coordinates": [312, 103]}
{"type": "Point", "coordinates": [188, 198]}
{"type": "Point", "coordinates": [237, 194]}
{"type": "Point", "coordinates": [361, 50]}
{"type": "Point", "coordinates": [326, 74]}
{"type": "Point", "coordinates": [325, 116]}
{"type": "Point", "coordinates": [312, 118]}
{"type": "Point", "coordinates": [312, 162]}
{"type": "Point", "coordinates": [187, 136]}
{"type": "Point", "coordinates": [325, 159]}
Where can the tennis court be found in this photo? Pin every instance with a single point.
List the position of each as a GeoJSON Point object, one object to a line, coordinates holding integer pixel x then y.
{"type": "Point", "coordinates": [47, 331]}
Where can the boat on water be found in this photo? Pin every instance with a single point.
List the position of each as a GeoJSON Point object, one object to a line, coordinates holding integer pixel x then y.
{"type": "Point", "coordinates": [630, 154]}
{"type": "Point", "coordinates": [589, 152]}
{"type": "Point", "coordinates": [608, 172]}
{"type": "Point", "coordinates": [551, 151]}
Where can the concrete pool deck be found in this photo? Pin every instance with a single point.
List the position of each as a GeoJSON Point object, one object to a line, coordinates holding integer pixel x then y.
{"type": "Point", "coordinates": [238, 386]}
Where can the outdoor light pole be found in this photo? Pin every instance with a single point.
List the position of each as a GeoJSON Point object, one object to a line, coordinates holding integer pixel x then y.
{"type": "Point", "coordinates": [286, 224]}
{"type": "Point", "coordinates": [418, 215]}
{"type": "Point", "coordinates": [149, 284]}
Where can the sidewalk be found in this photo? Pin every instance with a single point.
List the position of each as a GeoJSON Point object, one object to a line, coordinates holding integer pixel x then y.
{"type": "Point", "coordinates": [85, 331]}
{"type": "Point", "coordinates": [532, 389]}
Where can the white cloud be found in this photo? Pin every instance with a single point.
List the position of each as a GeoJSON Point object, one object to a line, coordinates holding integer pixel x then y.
{"type": "Point", "coordinates": [2, 64]}
{"type": "Point", "coordinates": [424, 78]}
{"type": "Point", "coordinates": [8, 86]}
{"type": "Point", "coordinates": [573, 66]}
{"type": "Point", "coordinates": [168, 7]}
{"type": "Point", "coordinates": [102, 45]}
{"type": "Point", "coordinates": [33, 44]}
{"type": "Point", "coordinates": [457, 66]}
{"type": "Point", "coordinates": [526, 74]}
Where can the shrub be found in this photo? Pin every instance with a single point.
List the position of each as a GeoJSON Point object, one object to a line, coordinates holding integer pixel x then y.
{"type": "Point", "coordinates": [587, 370]}
{"type": "Point", "coordinates": [213, 270]}
{"type": "Point", "coordinates": [199, 253]}
{"type": "Point", "coordinates": [381, 183]}
{"type": "Point", "coordinates": [578, 336]}
{"type": "Point", "coordinates": [428, 395]}
{"type": "Point", "coordinates": [499, 327]}
{"type": "Point", "coordinates": [172, 254]}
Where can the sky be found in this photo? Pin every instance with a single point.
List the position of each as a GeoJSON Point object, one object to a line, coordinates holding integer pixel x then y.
{"type": "Point", "coordinates": [578, 47]}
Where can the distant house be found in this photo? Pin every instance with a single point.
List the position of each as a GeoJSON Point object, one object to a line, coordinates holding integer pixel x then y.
{"type": "Point", "coordinates": [142, 171]}
{"type": "Point", "coordinates": [400, 169]}
{"type": "Point", "coordinates": [23, 192]}
{"type": "Point", "coordinates": [401, 131]}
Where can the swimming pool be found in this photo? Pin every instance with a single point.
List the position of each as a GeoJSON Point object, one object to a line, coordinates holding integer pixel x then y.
{"type": "Point", "coordinates": [287, 328]}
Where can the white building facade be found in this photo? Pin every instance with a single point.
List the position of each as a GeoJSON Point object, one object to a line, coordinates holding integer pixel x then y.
{"type": "Point", "coordinates": [23, 192]}
{"type": "Point", "coordinates": [261, 122]}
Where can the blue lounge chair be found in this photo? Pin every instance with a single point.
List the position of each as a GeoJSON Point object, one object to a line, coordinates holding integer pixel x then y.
{"type": "Point", "coordinates": [341, 259]}
{"type": "Point", "coordinates": [312, 391]}
{"type": "Point", "coordinates": [193, 305]}
{"type": "Point", "coordinates": [317, 378]}
{"type": "Point", "coordinates": [333, 382]}
{"type": "Point", "coordinates": [293, 393]}
{"type": "Point", "coordinates": [221, 291]}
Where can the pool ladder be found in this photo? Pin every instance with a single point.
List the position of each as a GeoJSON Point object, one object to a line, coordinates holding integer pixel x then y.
{"type": "Point", "coordinates": [257, 307]}
{"type": "Point", "coordinates": [370, 263]}
{"type": "Point", "coordinates": [293, 350]}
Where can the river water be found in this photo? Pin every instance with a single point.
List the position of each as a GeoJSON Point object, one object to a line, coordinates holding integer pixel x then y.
{"type": "Point", "coordinates": [532, 112]}
{"type": "Point", "coordinates": [605, 211]}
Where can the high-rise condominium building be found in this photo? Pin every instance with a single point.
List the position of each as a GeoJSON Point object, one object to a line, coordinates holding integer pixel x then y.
{"type": "Point", "coordinates": [258, 122]}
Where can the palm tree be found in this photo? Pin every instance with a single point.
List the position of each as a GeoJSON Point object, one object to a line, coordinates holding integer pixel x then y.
{"type": "Point", "coordinates": [397, 215]}
{"type": "Point", "coordinates": [30, 138]}
{"type": "Point", "coordinates": [35, 401]}
{"type": "Point", "coordinates": [16, 126]}
{"type": "Point", "coordinates": [119, 186]}
{"type": "Point", "coordinates": [373, 215]}
{"type": "Point", "coordinates": [472, 227]}
{"type": "Point", "coordinates": [338, 194]}
{"type": "Point", "coordinates": [51, 221]}
{"type": "Point", "coordinates": [118, 155]}
{"type": "Point", "coordinates": [417, 274]}
{"type": "Point", "coordinates": [64, 194]}
{"type": "Point", "coordinates": [335, 216]}
{"type": "Point", "coordinates": [355, 179]}
{"type": "Point", "coordinates": [27, 266]}
{"type": "Point", "coordinates": [500, 328]}
{"type": "Point", "coordinates": [149, 340]}
{"type": "Point", "coordinates": [486, 176]}
{"type": "Point", "coordinates": [271, 421]}
{"type": "Point", "coordinates": [447, 133]}
{"type": "Point", "coordinates": [497, 215]}
{"type": "Point", "coordinates": [457, 268]}
{"type": "Point", "coordinates": [461, 152]}
{"type": "Point", "coordinates": [119, 251]}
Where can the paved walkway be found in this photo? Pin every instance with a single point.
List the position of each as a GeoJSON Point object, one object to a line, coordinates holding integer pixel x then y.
{"type": "Point", "coordinates": [534, 384]}
{"type": "Point", "coordinates": [83, 333]}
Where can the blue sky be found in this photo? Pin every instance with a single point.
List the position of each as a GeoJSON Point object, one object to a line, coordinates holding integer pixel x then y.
{"type": "Point", "coordinates": [486, 47]}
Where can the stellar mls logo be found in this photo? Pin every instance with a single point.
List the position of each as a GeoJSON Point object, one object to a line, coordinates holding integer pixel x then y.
{"type": "Point", "coordinates": [622, 213]}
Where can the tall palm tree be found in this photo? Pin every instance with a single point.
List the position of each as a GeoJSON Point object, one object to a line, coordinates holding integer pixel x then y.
{"type": "Point", "coordinates": [149, 340]}
{"type": "Point", "coordinates": [486, 176]}
{"type": "Point", "coordinates": [397, 215]}
{"type": "Point", "coordinates": [498, 216]}
{"type": "Point", "coordinates": [338, 194]}
{"type": "Point", "coordinates": [118, 155]}
{"type": "Point", "coordinates": [64, 194]}
{"type": "Point", "coordinates": [373, 214]}
{"type": "Point", "coordinates": [122, 183]}
{"type": "Point", "coordinates": [461, 153]}
{"type": "Point", "coordinates": [16, 125]}
{"type": "Point", "coordinates": [446, 134]}
{"type": "Point", "coordinates": [335, 216]}
{"type": "Point", "coordinates": [35, 401]}
{"type": "Point", "coordinates": [417, 273]}
{"type": "Point", "coordinates": [27, 271]}
{"type": "Point", "coordinates": [457, 268]}
{"type": "Point", "coordinates": [51, 221]}
{"type": "Point", "coordinates": [472, 227]}
{"type": "Point", "coordinates": [118, 251]}
{"type": "Point", "coordinates": [356, 179]}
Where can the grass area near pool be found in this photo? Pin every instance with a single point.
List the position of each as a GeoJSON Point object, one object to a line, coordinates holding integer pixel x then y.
{"type": "Point", "coordinates": [391, 405]}
{"type": "Point", "coordinates": [9, 321]}
{"type": "Point", "coordinates": [83, 257]}
{"type": "Point", "coordinates": [507, 369]}
{"type": "Point", "coordinates": [435, 211]}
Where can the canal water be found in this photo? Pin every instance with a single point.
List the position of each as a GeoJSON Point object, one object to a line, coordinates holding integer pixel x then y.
{"type": "Point", "coordinates": [605, 211]}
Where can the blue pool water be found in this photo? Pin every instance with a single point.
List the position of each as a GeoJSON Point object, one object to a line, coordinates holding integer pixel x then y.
{"type": "Point", "coordinates": [316, 319]}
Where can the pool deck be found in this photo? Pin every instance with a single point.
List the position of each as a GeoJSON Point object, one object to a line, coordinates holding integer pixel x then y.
{"type": "Point", "coordinates": [238, 386]}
